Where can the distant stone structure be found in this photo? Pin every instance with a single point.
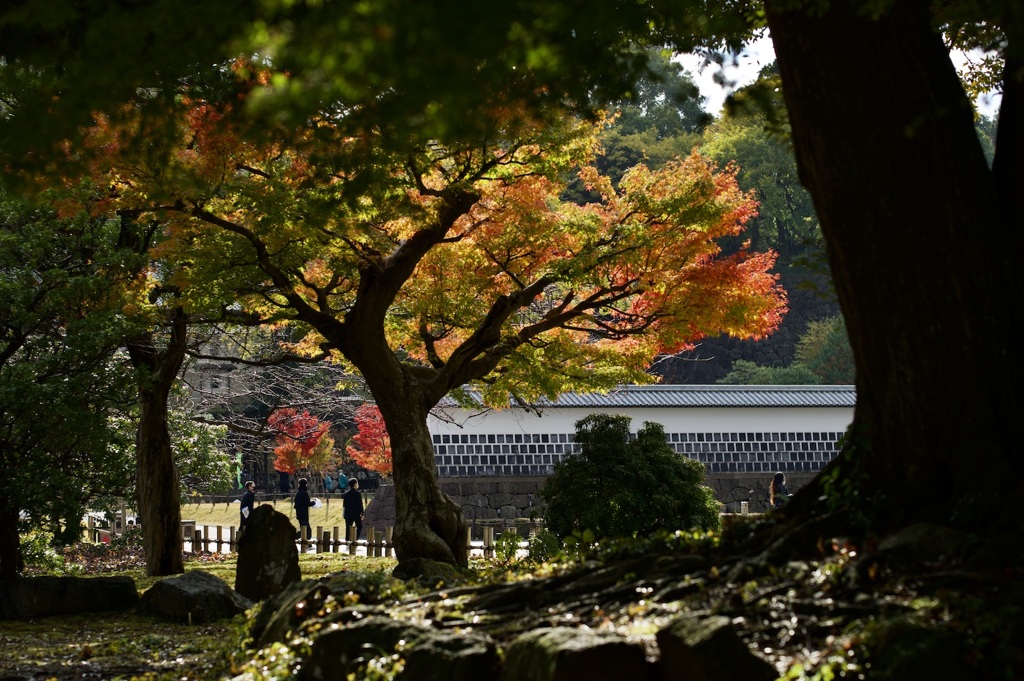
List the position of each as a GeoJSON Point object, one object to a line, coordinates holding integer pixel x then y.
{"type": "Point", "coordinates": [493, 463]}
{"type": "Point", "coordinates": [483, 499]}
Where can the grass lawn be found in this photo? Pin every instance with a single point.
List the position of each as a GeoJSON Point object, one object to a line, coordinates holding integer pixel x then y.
{"type": "Point", "coordinates": [312, 565]}
{"type": "Point", "coordinates": [225, 515]}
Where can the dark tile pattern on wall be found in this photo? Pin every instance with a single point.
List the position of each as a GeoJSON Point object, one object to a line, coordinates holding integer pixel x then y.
{"type": "Point", "coordinates": [518, 454]}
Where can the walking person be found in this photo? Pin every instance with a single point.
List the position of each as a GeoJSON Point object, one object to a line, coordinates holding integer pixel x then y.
{"type": "Point", "coordinates": [777, 492]}
{"type": "Point", "coordinates": [302, 505]}
{"type": "Point", "coordinates": [248, 501]}
{"type": "Point", "coordinates": [353, 506]}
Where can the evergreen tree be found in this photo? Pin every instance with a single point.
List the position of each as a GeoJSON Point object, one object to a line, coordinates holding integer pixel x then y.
{"type": "Point", "coordinates": [618, 485]}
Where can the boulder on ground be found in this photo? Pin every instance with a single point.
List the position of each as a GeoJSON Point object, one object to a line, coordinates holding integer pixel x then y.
{"type": "Point", "coordinates": [193, 597]}
{"type": "Point", "coordinates": [570, 653]}
{"type": "Point", "coordinates": [268, 559]}
{"type": "Point", "coordinates": [430, 573]}
{"type": "Point", "coordinates": [281, 614]}
{"type": "Point", "coordinates": [27, 597]}
{"type": "Point", "coordinates": [423, 653]}
{"type": "Point", "coordinates": [694, 647]}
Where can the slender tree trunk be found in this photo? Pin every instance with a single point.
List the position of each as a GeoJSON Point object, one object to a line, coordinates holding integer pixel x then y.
{"type": "Point", "coordinates": [159, 495]}
{"type": "Point", "coordinates": [158, 489]}
{"type": "Point", "coordinates": [921, 244]}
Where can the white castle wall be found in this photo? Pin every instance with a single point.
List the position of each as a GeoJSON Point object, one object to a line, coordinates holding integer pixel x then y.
{"type": "Point", "coordinates": [727, 440]}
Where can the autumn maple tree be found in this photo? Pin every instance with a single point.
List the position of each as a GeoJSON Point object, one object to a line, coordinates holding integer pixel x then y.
{"type": "Point", "coordinates": [303, 440]}
{"type": "Point", "coordinates": [450, 264]}
{"type": "Point", "coordinates": [370, 447]}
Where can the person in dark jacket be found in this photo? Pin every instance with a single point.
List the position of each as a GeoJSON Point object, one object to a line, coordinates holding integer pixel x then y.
{"type": "Point", "coordinates": [777, 492]}
{"type": "Point", "coordinates": [248, 502]}
{"type": "Point", "coordinates": [353, 506]}
{"type": "Point", "coordinates": [302, 504]}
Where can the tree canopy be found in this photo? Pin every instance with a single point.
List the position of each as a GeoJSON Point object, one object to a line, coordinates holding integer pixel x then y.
{"type": "Point", "coordinates": [448, 263]}
{"type": "Point", "coordinates": [389, 65]}
{"type": "Point", "coordinates": [660, 120]}
{"type": "Point", "coordinates": [823, 356]}
{"type": "Point", "coordinates": [786, 221]}
{"type": "Point", "coordinates": [64, 396]}
{"type": "Point", "coordinates": [303, 440]}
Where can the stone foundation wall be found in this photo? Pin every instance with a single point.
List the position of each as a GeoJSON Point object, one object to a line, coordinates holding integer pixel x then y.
{"type": "Point", "coordinates": [494, 499]}
{"type": "Point", "coordinates": [480, 498]}
{"type": "Point", "coordinates": [733, 488]}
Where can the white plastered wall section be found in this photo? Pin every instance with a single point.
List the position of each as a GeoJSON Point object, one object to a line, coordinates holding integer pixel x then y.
{"type": "Point", "coordinates": [679, 419]}
{"type": "Point", "coordinates": [729, 441]}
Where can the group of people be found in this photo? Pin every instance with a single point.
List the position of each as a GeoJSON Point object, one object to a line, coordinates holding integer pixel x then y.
{"type": "Point", "coordinates": [352, 505]}
{"type": "Point", "coordinates": [367, 480]}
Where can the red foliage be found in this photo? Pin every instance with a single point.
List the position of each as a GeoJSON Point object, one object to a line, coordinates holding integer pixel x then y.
{"type": "Point", "coordinates": [370, 447]}
{"type": "Point", "coordinates": [300, 440]}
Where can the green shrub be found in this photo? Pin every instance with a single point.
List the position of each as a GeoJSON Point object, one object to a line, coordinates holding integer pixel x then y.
{"type": "Point", "coordinates": [618, 486]}
{"type": "Point", "coordinates": [128, 541]}
{"type": "Point", "coordinates": [543, 546]}
{"type": "Point", "coordinates": [38, 551]}
{"type": "Point", "coordinates": [506, 547]}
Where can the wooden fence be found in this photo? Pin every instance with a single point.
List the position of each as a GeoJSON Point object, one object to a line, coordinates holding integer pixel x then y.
{"type": "Point", "coordinates": [217, 539]}
{"type": "Point", "coordinates": [212, 539]}
{"type": "Point", "coordinates": [377, 543]}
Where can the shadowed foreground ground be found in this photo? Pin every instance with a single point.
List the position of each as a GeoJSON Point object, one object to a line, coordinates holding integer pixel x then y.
{"type": "Point", "coordinates": [926, 603]}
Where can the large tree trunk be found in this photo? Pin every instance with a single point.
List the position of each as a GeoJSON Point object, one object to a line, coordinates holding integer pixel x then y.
{"type": "Point", "coordinates": [11, 560]}
{"type": "Point", "coordinates": [921, 246]}
{"type": "Point", "coordinates": [158, 489]}
{"type": "Point", "coordinates": [428, 523]}
{"type": "Point", "coordinates": [159, 495]}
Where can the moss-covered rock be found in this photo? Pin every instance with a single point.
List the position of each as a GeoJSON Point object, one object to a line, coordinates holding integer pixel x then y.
{"type": "Point", "coordinates": [570, 653]}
